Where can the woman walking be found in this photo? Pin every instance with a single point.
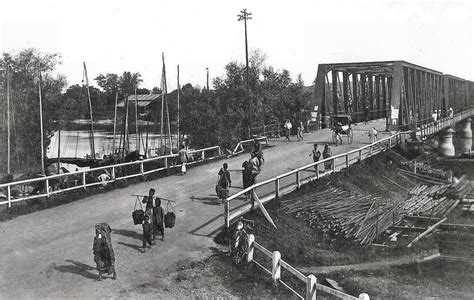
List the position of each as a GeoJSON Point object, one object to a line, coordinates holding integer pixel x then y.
{"type": "Point", "coordinates": [104, 256]}
{"type": "Point", "coordinates": [327, 153]}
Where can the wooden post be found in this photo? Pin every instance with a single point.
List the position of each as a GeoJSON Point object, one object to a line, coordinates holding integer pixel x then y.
{"type": "Point", "coordinates": [317, 171]}
{"type": "Point", "coordinates": [310, 287]}
{"type": "Point", "coordinates": [276, 266]}
{"type": "Point", "coordinates": [250, 248]}
{"type": "Point", "coordinates": [278, 128]}
{"type": "Point", "coordinates": [41, 124]}
{"type": "Point", "coordinates": [142, 170]}
{"type": "Point", "coordinates": [227, 213]}
{"type": "Point", "coordinates": [333, 165]}
{"type": "Point", "coordinates": [298, 180]}
{"type": "Point", "coordinates": [347, 160]}
{"type": "Point", "coordinates": [370, 150]}
{"type": "Point", "coordinates": [202, 155]}
{"type": "Point", "coordinates": [277, 188]}
{"type": "Point", "coordinates": [113, 172]}
{"type": "Point", "coordinates": [84, 179]}
{"type": "Point", "coordinates": [390, 142]}
{"type": "Point", "coordinates": [46, 183]}
{"type": "Point", "coordinates": [9, 195]}
{"type": "Point", "coordinates": [360, 155]}
{"type": "Point", "coordinates": [219, 150]}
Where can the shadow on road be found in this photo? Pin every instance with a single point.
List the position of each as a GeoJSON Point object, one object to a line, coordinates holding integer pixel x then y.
{"type": "Point", "coordinates": [207, 200]}
{"type": "Point", "coordinates": [77, 268]}
{"type": "Point", "coordinates": [134, 247]}
{"type": "Point", "coordinates": [128, 233]}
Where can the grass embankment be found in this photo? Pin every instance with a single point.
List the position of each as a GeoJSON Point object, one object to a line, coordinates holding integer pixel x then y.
{"type": "Point", "coordinates": [303, 245]}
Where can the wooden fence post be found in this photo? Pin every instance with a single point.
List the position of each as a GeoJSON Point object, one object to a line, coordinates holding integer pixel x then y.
{"type": "Point", "coordinates": [203, 155]}
{"type": "Point", "coordinates": [277, 188]}
{"type": "Point", "coordinates": [347, 160]}
{"type": "Point", "coordinates": [9, 195]}
{"type": "Point", "coordinates": [142, 170]}
{"type": "Point", "coordinates": [334, 165]}
{"type": "Point", "coordinates": [310, 287]}
{"type": "Point", "coordinates": [298, 180]}
{"type": "Point", "coordinates": [250, 248]}
{"type": "Point", "coordinates": [276, 266]}
{"type": "Point", "coordinates": [46, 183]}
{"type": "Point", "coordinates": [113, 173]}
{"type": "Point", "coordinates": [226, 214]}
{"type": "Point", "coordinates": [360, 155]}
{"type": "Point", "coordinates": [84, 179]}
{"type": "Point", "coordinates": [219, 151]}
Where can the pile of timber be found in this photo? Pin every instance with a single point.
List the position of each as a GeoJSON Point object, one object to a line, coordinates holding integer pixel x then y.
{"type": "Point", "coordinates": [342, 214]}
{"type": "Point", "coordinates": [424, 169]}
{"type": "Point", "coordinates": [456, 246]}
{"type": "Point", "coordinates": [435, 200]}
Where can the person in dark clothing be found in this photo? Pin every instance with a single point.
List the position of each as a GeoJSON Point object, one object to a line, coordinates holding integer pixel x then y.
{"type": "Point", "coordinates": [338, 131]}
{"type": "Point", "coordinates": [104, 255]}
{"type": "Point", "coordinates": [223, 182]}
{"type": "Point", "coordinates": [316, 155]}
{"type": "Point", "coordinates": [158, 220]}
{"type": "Point", "coordinates": [326, 154]}
{"type": "Point", "coordinates": [149, 202]}
{"type": "Point", "coordinates": [147, 233]}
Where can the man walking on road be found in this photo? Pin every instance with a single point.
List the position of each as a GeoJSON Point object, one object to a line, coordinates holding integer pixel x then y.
{"type": "Point", "coordinates": [158, 220]}
{"type": "Point", "coordinates": [316, 155]}
{"type": "Point", "coordinates": [183, 159]}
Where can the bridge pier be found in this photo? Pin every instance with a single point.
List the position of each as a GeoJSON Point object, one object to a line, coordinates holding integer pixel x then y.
{"type": "Point", "coordinates": [445, 144]}
{"type": "Point", "coordinates": [466, 136]}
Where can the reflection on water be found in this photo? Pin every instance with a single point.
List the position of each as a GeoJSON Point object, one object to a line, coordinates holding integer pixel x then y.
{"type": "Point", "coordinates": [76, 143]}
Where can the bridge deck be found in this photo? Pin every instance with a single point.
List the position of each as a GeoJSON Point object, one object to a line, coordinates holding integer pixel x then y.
{"type": "Point", "coordinates": [49, 253]}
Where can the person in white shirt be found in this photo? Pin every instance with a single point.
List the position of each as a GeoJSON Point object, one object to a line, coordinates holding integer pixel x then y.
{"type": "Point", "coordinates": [434, 116]}
{"type": "Point", "coordinates": [288, 127]}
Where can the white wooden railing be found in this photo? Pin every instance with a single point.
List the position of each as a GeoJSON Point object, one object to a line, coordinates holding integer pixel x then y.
{"type": "Point", "coordinates": [117, 172]}
{"type": "Point", "coordinates": [310, 281]}
{"type": "Point", "coordinates": [337, 162]}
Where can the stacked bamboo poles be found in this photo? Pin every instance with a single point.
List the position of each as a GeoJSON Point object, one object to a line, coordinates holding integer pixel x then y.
{"type": "Point", "coordinates": [423, 168]}
{"type": "Point", "coordinates": [343, 214]}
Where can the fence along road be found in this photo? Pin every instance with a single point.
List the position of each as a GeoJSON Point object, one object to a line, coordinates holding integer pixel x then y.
{"type": "Point", "coordinates": [48, 253]}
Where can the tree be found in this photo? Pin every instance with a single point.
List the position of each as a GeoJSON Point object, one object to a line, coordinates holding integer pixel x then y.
{"type": "Point", "coordinates": [26, 66]}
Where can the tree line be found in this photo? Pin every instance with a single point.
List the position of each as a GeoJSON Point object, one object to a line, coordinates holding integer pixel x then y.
{"type": "Point", "coordinates": [218, 116]}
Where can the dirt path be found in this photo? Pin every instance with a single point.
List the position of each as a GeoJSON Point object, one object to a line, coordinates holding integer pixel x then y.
{"type": "Point", "coordinates": [49, 253]}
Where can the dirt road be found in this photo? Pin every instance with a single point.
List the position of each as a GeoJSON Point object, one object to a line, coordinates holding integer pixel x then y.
{"type": "Point", "coordinates": [49, 253]}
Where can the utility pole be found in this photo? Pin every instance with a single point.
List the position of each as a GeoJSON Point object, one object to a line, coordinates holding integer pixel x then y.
{"type": "Point", "coordinates": [179, 108]}
{"type": "Point", "coordinates": [245, 15]}
{"type": "Point", "coordinates": [8, 119]}
{"type": "Point", "coordinates": [207, 81]}
{"type": "Point", "coordinates": [41, 124]}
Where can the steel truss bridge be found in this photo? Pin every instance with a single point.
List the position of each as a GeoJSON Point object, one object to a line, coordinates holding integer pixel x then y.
{"type": "Point", "coordinates": [404, 93]}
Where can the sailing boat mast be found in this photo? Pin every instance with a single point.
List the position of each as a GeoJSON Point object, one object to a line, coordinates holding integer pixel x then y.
{"type": "Point", "coordinates": [162, 101]}
{"type": "Point", "coordinates": [115, 122]}
{"type": "Point", "coordinates": [179, 137]}
{"type": "Point", "coordinates": [165, 89]}
{"type": "Point", "coordinates": [41, 123]}
{"type": "Point", "coordinates": [8, 119]}
{"type": "Point", "coordinates": [136, 123]}
{"type": "Point", "coordinates": [90, 113]}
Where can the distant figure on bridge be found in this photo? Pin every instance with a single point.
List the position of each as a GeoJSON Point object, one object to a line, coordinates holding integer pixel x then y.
{"type": "Point", "coordinates": [183, 159]}
{"type": "Point", "coordinates": [300, 131]}
{"type": "Point", "coordinates": [450, 112]}
{"type": "Point", "coordinates": [316, 155]}
{"type": "Point", "coordinates": [439, 114]}
{"type": "Point", "coordinates": [372, 135]}
{"type": "Point", "coordinates": [327, 153]}
{"type": "Point", "coordinates": [223, 182]}
{"type": "Point", "coordinates": [366, 114]}
{"type": "Point", "coordinates": [338, 131]}
{"type": "Point", "coordinates": [257, 151]}
{"type": "Point", "coordinates": [158, 220]}
{"type": "Point", "coordinates": [104, 256]}
{"type": "Point", "coordinates": [288, 127]}
{"type": "Point", "coordinates": [246, 176]}
{"type": "Point", "coordinates": [434, 116]}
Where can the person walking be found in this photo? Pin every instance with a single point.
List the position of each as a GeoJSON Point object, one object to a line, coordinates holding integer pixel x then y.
{"type": "Point", "coordinates": [246, 176]}
{"type": "Point", "coordinates": [104, 256]}
{"type": "Point", "coordinates": [158, 220]}
{"type": "Point", "coordinates": [183, 159]}
{"type": "Point", "coordinates": [434, 116]}
{"type": "Point", "coordinates": [223, 182]}
{"type": "Point", "coordinates": [147, 233]}
{"type": "Point", "coordinates": [288, 127]}
{"type": "Point", "coordinates": [373, 135]}
{"type": "Point", "coordinates": [327, 153]}
{"type": "Point", "coordinates": [316, 155]}
{"type": "Point", "coordinates": [300, 131]}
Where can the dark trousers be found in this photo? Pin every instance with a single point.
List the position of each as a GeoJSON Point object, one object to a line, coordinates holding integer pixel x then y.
{"type": "Point", "coordinates": [158, 228]}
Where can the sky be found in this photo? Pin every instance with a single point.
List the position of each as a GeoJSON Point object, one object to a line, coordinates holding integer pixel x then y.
{"type": "Point", "coordinates": [116, 36]}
